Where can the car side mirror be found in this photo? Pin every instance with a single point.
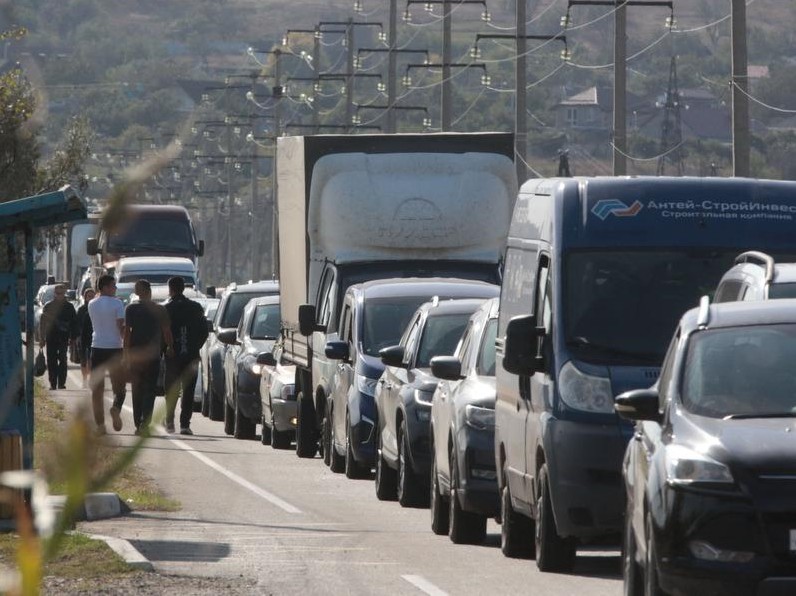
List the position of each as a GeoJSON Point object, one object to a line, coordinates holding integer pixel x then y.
{"type": "Point", "coordinates": [210, 291]}
{"type": "Point", "coordinates": [639, 404]}
{"type": "Point", "coordinates": [393, 356]}
{"type": "Point", "coordinates": [520, 356]}
{"type": "Point", "coordinates": [266, 359]}
{"type": "Point", "coordinates": [307, 320]}
{"type": "Point", "coordinates": [228, 336]}
{"type": "Point", "coordinates": [448, 368]}
{"type": "Point", "coordinates": [92, 246]}
{"type": "Point", "coordinates": [337, 350]}
{"type": "Point", "coordinates": [200, 250]}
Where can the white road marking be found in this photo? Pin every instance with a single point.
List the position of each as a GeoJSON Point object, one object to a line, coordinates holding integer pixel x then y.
{"type": "Point", "coordinates": [425, 586]}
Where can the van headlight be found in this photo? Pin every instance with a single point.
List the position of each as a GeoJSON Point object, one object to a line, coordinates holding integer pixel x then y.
{"type": "Point", "coordinates": [366, 385]}
{"type": "Point", "coordinates": [686, 467]}
{"type": "Point", "coordinates": [479, 418]}
{"type": "Point", "coordinates": [583, 392]}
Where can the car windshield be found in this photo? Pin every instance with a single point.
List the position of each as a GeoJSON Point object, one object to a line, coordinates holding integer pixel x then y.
{"type": "Point", "coordinates": [741, 372]}
{"type": "Point", "coordinates": [148, 234]}
{"type": "Point", "coordinates": [266, 322]}
{"type": "Point", "coordinates": [622, 305]}
{"type": "Point", "coordinates": [440, 336]}
{"type": "Point", "coordinates": [486, 359]}
{"type": "Point", "coordinates": [385, 319]}
{"type": "Point", "coordinates": [236, 302]}
{"type": "Point", "coordinates": [155, 278]}
{"type": "Point", "coordinates": [784, 290]}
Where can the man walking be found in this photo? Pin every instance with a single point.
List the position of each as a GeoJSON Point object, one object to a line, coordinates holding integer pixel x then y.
{"type": "Point", "coordinates": [107, 318]}
{"type": "Point", "coordinates": [189, 332]}
{"type": "Point", "coordinates": [57, 328]}
{"type": "Point", "coordinates": [146, 331]}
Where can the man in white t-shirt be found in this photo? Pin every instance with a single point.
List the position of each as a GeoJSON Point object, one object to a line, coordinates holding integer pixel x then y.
{"type": "Point", "coordinates": [107, 318]}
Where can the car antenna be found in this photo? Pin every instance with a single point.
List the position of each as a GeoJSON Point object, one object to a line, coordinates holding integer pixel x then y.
{"type": "Point", "coordinates": [703, 318]}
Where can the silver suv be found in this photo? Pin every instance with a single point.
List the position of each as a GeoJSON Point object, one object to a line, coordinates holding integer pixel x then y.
{"type": "Point", "coordinates": [756, 276]}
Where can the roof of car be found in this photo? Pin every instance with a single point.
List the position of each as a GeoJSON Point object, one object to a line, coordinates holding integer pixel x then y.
{"type": "Point", "coordinates": [437, 308]}
{"type": "Point", "coordinates": [429, 286]}
{"type": "Point", "coordinates": [257, 286]}
{"type": "Point", "coordinates": [263, 301]}
{"type": "Point", "coordinates": [744, 313]}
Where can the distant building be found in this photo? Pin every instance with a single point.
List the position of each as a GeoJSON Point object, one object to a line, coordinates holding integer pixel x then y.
{"type": "Point", "coordinates": [590, 110]}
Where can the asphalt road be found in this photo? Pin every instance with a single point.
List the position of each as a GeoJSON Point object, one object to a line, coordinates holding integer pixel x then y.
{"type": "Point", "coordinates": [293, 527]}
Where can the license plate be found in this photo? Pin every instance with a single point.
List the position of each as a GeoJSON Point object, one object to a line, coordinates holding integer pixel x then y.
{"type": "Point", "coordinates": [793, 541]}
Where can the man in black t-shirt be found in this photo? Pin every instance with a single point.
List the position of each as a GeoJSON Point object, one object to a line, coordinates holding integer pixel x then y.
{"type": "Point", "coordinates": [146, 332]}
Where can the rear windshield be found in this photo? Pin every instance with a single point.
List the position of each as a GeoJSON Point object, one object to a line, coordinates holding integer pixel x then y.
{"type": "Point", "coordinates": [440, 337]}
{"type": "Point", "coordinates": [233, 311]}
{"type": "Point", "coordinates": [384, 321]}
{"type": "Point", "coordinates": [266, 322]}
{"type": "Point", "coordinates": [146, 234]}
{"type": "Point", "coordinates": [782, 290]}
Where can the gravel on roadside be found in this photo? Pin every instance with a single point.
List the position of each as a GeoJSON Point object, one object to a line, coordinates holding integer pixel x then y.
{"type": "Point", "coordinates": [149, 583]}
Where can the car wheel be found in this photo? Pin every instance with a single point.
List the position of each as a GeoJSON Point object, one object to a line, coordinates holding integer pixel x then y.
{"type": "Point", "coordinates": [651, 586]}
{"type": "Point", "coordinates": [229, 418]}
{"type": "Point", "coordinates": [306, 442]}
{"type": "Point", "coordinates": [464, 527]}
{"type": "Point", "coordinates": [386, 480]}
{"type": "Point", "coordinates": [516, 530]}
{"type": "Point", "coordinates": [353, 469]}
{"type": "Point", "coordinates": [336, 461]}
{"type": "Point", "coordinates": [326, 438]}
{"type": "Point", "coordinates": [439, 506]}
{"type": "Point", "coordinates": [280, 439]}
{"type": "Point", "coordinates": [216, 409]}
{"type": "Point", "coordinates": [205, 394]}
{"type": "Point", "coordinates": [553, 553]}
{"type": "Point", "coordinates": [633, 579]}
{"type": "Point", "coordinates": [245, 429]}
{"type": "Point", "coordinates": [265, 435]}
{"type": "Point", "coordinates": [410, 491]}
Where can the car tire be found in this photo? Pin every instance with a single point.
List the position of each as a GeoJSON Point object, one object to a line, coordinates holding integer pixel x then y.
{"type": "Point", "coordinates": [411, 493]}
{"type": "Point", "coordinates": [464, 527]}
{"type": "Point", "coordinates": [438, 504]}
{"type": "Point", "coordinates": [336, 461]}
{"type": "Point", "coordinates": [386, 478]}
{"type": "Point", "coordinates": [205, 394]}
{"type": "Point", "coordinates": [306, 442]}
{"type": "Point", "coordinates": [516, 530]}
{"type": "Point", "coordinates": [553, 553]}
{"type": "Point", "coordinates": [229, 418]}
{"type": "Point", "coordinates": [265, 435]}
{"type": "Point", "coordinates": [633, 578]}
{"type": "Point", "coordinates": [651, 584]}
{"type": "Point", "coordinates": [353, 469]}
{"type": "Point", "coordinates": [245, 429]}
{"type": "Point", "coordinates": [216, 409]}
{"type": "Point", "coordinates": [326, 438]}
{"type": "Point", "coordinates": [280, 439]}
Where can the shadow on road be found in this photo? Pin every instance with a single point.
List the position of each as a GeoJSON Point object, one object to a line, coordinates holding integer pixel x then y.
{"type": "Point", "coordinates": [178, 550]}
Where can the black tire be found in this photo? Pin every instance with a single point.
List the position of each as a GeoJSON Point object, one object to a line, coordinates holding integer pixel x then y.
{"type": "Point", "coordinates": [306, 441]}
{"type": "Point", "coordinates": [336, 461]}
{"type": "Point", "coordinates": [216, 406]}
{"type": "Point", "coordinates": [229, 418]}
{"type": "Point", "coordinates": [245, 429]}
{"type": "Point", "coordinates": [438, 504]}
{"type": "Point", "coordinates": [464, 527]}
{"type": "Point", "coordinates": [265, 435]}
{"type": "Point", "coordinates": [353, 469]}
{"type": "Point", "coordinates": [516, 530]}
{"type": "Point", "coordinates": [411, 492]}
{"type": "Point", "coordinates": [651, 584]}
{"type": "Point", "coordinates": [280, 439]}
{"type": "Point", "coordinates": [205, 395]}
{"type": "Point", "coordinates": [326, 439]}
{"type": "Point", "coordinates": [553, 553]}
{"type": "Point", "coordinates": [633, 577]}
{"type": "Point", "coordinates": [386, 478]}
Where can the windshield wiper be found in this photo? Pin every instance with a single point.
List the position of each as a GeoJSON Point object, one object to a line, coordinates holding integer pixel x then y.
{"type": "Point", "coordinates": [581, 342]}
{"type": "Point", "coordinates": [771, 415]}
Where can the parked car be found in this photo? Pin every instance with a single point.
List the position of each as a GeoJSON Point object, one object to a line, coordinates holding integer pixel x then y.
{"type": "Point", "coordinates": [374, 316]}
{"type": "Point", "coordinates": [209, 305]}
{"type": "Point", "coordinates": [227, 318]}
{"type": "Point", "coordinates": [756, 276]}
{"type": "Point", "coordinates": [709, 476]}
{"type": "Point", "coordinates": [464, 490]}
{"type": "Point", "coordinates": [278, 398]}
{"type": "Point", "coordinates": [256, 333]}
{"type": "Point", "coordinates": [403, 398]}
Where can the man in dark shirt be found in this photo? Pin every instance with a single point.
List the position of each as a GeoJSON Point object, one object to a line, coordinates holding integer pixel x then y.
{"type": "Point", "coordinates": [146, 331]}
{"type": "Point", "coordinates": [57, 324]}
{"type": "Point", "coordinates": [189, 332]}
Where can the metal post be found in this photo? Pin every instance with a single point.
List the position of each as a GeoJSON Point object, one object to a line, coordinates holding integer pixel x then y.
{"type": "Point", "coordinates": [272, 220]}
{"type": "Point", "coordinates": [230, 206]}
{"type": "Point", "coordinates": [620, 86]}
{"type": "Point", "coordinates": [349, 75]}
{"type": "Point", "coordinates": [446, 66]}
{"type": "Point", "coordinates": [740, 101]}
{"type": "Point", "coordinates": [391, 66]}
{"type": "Point", "coordinates": [30, 295]}
{"type": "Point", "coordinates": [520, 118]}
{"type": "Point", "coordinates": [316, 65]}
{"type": "Point", "coordinates": [254, 244]}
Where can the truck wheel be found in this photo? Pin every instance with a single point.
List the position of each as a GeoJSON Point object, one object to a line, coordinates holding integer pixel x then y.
{"type": "Point", "coordinates": [353, 469]}
{"type": "Point", "coordinates": [410, 491]}
{"type": "Point", "coordinates": [336, 461]}
{"type": "Point", "coordinates": [245, 429]}
{"type": "Point", "coordinates": [386, 480]}
{"type": "Point", "coordinates": [516, 530]}
{"type": "Point", "coordinates": [464, 527]}
{"type": "Point", "coordinates": [229, 418]}
{"type": "Point", "coordinates": [553, 553]}
{"type": "Point", "coordinates": [265, 435]}
{"type": "Point", "coordinates": [306, 443]}
{"type": "Point", "coordinates": [439, 506]}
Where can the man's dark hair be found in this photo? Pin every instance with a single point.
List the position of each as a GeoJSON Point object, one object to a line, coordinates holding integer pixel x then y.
{"type": "Point", "coordinates": [105, 280]}
{"type": "Point", "coordinates": [177, 285]}
{"type": "Point", "coordinates": [143, 284]}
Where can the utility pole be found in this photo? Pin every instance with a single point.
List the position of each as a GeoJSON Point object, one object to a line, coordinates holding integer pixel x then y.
{"type": "Point", "coordinates": [349, 74]}
{"type": "Point", "coordinates": [392, 65]}
{"type": "Point", "coordinates": [740, 100]}
{"type": "Point", "coordinates": [520, 118]}
{"type": "Point", "coordinates": [447, 103]}
{"type": "Point", "coordinates": [230, 205]}
{"type": "Point", "coordinates": [254, 244]}
{"type": "Point", "coordinates": [278, 93]}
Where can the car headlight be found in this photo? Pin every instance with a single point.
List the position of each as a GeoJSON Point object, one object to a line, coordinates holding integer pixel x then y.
{"type": "Point", "coordinates": [686, 467]}
{"type": "Point", "coordinates": [366, 385]}
{"type": "Point", "coordinates": [479, 418]}
{"type": "Point", "coordinates": [423, 397]}
{"type": "Point", "coordinates": [585, 392]}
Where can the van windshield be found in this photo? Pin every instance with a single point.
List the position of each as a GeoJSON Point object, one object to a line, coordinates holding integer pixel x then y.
{"type": "Point", "coordinates": [148, 234]}
{"type": "Point", "coordinates": [622, 306]}
{"type": "Point", "coordinates": [155, 278]}
{"type": "Point", "coordinates": [384, 321]}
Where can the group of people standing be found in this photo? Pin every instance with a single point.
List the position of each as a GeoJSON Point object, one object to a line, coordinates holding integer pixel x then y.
{"type": "Point", "coordinates": [143, 343]}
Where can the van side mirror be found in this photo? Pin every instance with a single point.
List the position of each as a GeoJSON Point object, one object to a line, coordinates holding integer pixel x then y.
{"type": "Point", "coordinates": [228, 336]}
{"type": "Point", "coordinates": [393, 356]}
{"type": "Point", "coordinates": [448, 368]}
{"type": "Point", "coordinates": [307, 320]}
{"type": "Point", "coordinates": [200, 250]}
{"type": "Point", "coordinates": [210, 291]}
{"type": "Point", "coordinates": [521, 356]}
{"type": "Point", "coordinates": [337, 350]}
{"type": "Point", "coordinates": [266, 359]}
{"type": "Point", "coordinates": [639, 404]}
{"type": "Point", "coordinates": [92, 246]}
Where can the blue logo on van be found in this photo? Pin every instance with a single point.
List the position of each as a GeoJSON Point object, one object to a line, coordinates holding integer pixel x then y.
{"type": "Point", "coordinates": [606, 207]}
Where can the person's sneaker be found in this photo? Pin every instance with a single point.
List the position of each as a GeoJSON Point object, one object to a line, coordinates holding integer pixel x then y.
{"type": "Point", "coordinates": [101, 430]}
{"type": "Point", "coordinates": [186, 431]}
{"type": "Point", "coordinates": [61, 386]}
{"type": "Point", "coordinates": [116, 416]}
{"type": "Point", "coordinates": [53, 387]}
{"type": "Point", "coordinates": [169, 427]}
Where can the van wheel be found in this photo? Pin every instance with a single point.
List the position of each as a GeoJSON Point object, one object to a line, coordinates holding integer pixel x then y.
{"type": "Point", "coordinates": [439, 505]}
{"type": "Point", "coordinates": [229, 418]}
{"type": "Point", "coordinates": [306, 443]}
{"type": "Point", "coordinates": [265, 435]}
{"type": "Point", "coordinates": [651, 585]}
{"type": "Point", "coordinates": [245, 429]}
{"type": "Point", "coordinates": [336, 461]}
{"type": "Point", "coordinates": [633, 579]}
{"type": "Point", "coordinates": [553, 553]}
{"type": "Point", "coordinates": [386, 478]}
{"type": "Point", "coordinates": [410, 491]}
{"type": "Point", "coordinates": [353, 469]}
{"type": "Point", "coordinates": [464, 527]}
{"type": "Point", "coordinates": [516, 530]}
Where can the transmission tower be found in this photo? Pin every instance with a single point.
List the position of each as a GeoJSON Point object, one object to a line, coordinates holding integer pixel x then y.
{"type": "Point", "coordinates": [671, 127]}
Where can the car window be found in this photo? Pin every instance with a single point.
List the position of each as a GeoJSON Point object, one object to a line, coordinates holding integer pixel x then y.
{"type": "Point", "coordinates": [728, 291]}
{"type": "Point", "coordinates": [325, 297]}
{"type": "Point", "coordinates": [440, 337]}
{"type": "Point", "coordinates": [384, 320]}
{"type": "Point", "coordinates": [783, 290]}
{"type": "Point", "coordinates": [266, 322]}
{"type": "Point", "coordinates": [486, 357]}
{"type": "Point", "coordinates": [667, 369]}
{"type": "Point", "coordinates": [233, 311]}
{"type": "Point", "coordinates": [462, 351]}
{"type": "Point", "coordinates": [345, 323]}
{"type": "Point", "coordinates": [410, 338]}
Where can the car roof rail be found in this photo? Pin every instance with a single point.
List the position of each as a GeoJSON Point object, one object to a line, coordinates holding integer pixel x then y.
{"type": "Point", "coordinates": [758, 258]}
{"type": "Point", "coordinates": [703, 318]}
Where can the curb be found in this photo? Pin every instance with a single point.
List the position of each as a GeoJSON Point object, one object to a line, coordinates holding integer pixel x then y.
{"type": "Point", "coordinates": [126, 551]}
{"type": "Point", "coordinates": [95, 506]}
